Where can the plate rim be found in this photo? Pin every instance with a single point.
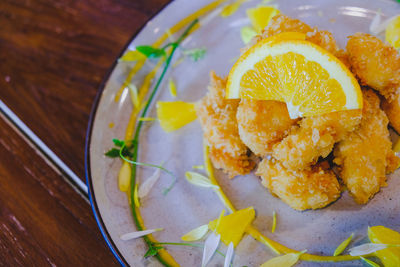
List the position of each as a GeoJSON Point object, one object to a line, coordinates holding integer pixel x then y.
{"type": "Point", "coordinates": [88, 176]}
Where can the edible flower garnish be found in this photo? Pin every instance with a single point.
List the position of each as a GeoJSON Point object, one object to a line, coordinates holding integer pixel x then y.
{"type": "Point", "coordinates": [233, 226]}
{"type": "Point", "coordinates": [124, 177]}
{"type": "Point", "coordinates": [151, 52]}
{"type": "Point", "coordinates": [148, 184]}
{"type": "Point", "coordinates": [343, 245]}
{"type": "Point", "coordinates": [196, 233]}
{"type": "Point", "coordinates": [392, 33]}
{"type": "Point", "coordinates": [133, 92]}
{"type": "Point", "coordinates": [261, 16]}
{"type": "Point", "coordinates": [212, 242]}
{"type": "Point", "coordinates": [273, 222]}
{"type": "Point", "coordinates": [381, 234]}
{"type": "Point", "coordinates": [369, 262]}
{"type": "Point", "coordinates": [138, 234]}
{"type": "Point", "coordinates": [229, 255]}
{"type": "Point", "coordinates": [172, 87]}
{"type": "Point", "coordinates": [131, 55]}
{"type": "Point", "coordinates": [247, 33]}
{"type": "Point", "coordinates": [174, 115]}
{"type": "Point", "coordinates": [199, 180]}
{"type": "Point", "coordinates": [195, 54]}
{"type": "Point", "coordinates": [286, 260]}
{"type": "Point", "coordinates": [231, 8]}
{"type": "Point", "coordinates": [368, 248]}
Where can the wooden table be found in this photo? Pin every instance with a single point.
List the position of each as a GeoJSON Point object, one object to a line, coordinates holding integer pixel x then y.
{"type": "Point", "coordinates": [54, 55]}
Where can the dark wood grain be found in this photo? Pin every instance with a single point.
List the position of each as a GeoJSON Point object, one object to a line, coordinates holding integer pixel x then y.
{"type": "Point", "coordinates": [43, 221]}
{"type": "Point", "coordinates": [54, 55]}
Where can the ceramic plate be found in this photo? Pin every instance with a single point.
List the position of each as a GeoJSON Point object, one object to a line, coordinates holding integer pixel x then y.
{"type": "Point", "coordinates": [186, 206]}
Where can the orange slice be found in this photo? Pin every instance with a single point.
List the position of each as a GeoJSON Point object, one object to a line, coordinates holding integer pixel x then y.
{"type": "Point", "coordinates": [286, 68]}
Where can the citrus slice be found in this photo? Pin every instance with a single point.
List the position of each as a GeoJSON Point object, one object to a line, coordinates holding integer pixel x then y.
{"type": "Point", "coordinates": [286, 68]}
{"type": "Point", "coordinates": [384, 235]}
{"type": "Point", "coordinates": [392, 33]}
{"type": "Point", "coordinates": [261, 16]}
{"type": "Point", "coordinates": [232, 227]}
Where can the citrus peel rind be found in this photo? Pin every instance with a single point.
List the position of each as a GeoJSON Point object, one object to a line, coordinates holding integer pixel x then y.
{"type": "Point", "coordinates": [286, 68]}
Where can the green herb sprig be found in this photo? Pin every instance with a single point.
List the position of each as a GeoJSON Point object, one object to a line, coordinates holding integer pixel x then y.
{"type": "Point", "coordinates": [153, 250]}
{"type": "Point", "coordinates": [128, 151]}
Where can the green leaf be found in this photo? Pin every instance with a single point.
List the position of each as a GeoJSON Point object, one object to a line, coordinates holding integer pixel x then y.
{"type": "Point", "coordinates": [125, 152]}
{"type": "Point", "coordinates": [118, 143]}
{"type": "Point", "coordinates": [112, 153]}
{"type": "Point", "coordinates": [195, 54]}
{"type": "Point", "coordinates": [150, 51]}
{"type": "Point", "coordinates": [152, 251]}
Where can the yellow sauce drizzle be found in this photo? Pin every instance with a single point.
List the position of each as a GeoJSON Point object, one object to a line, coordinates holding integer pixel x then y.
{"type": "Point", "coordinates": [251, 230]}
{"type": "Point", "coordinates": [139, 64]}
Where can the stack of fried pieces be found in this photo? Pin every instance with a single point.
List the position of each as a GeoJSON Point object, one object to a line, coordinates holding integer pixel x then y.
{"type": "Point", "coordinates": [298, 155]}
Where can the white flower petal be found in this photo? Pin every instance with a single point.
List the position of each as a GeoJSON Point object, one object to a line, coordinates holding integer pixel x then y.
{"type": "Point", "coordinates": [199, 180]}
{"type": "Point", "coordinates": [137, 234]}
{"type": "Point", "coordinates": [148, 184]}
{"type": "Point", "coordinates": [366, 249]}
{"type": "Point", "coordinates": [229, 255]}
{"type": "Point", "coordinates": [196, 233]}
{"type": "Point", "coordinates": [210, 246]}
{"type": "Point", "coordinates": [375, 23]}
{"type": "Point", "coordinates": [382, 26]}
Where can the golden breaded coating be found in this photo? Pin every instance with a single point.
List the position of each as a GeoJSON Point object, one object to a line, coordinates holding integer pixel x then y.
{"type": "Point", "coordinates": [233, 165]}
{"type": "Point", "coordinates": [392, 110]}
{"type": "Point", "coordinates": [217, 116]}
{"type": "Point", "coordinates": [323, 39]}
{"type": "Point", "coordinates": [375, 63]}
{"type": "Point", "coordinates": [315, 138]}
{"type": "Point", "coordinates": [262, 123]}
{"type": "Point", "coordinates": [301, 190]}
{"type": "Point", "coordinates": [281, 23]}
{"type": "Point", "coordinates": [363, 155]}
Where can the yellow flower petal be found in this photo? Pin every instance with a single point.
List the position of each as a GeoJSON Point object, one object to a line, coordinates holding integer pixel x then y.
{"type": "Point", "coordinates": [273, 222]}
{"type": "Point", "coordinates": [174, 115]}
{"type": "Point", "coordinates": [172, 87]}
{"type": "Point", "coordinates": [232, 227]}
{"type": "Point", "coordinates": [392, 33]}
{"type": "Point", "coordinates": [132, 55]}
{"type": "Point", "coordinates": [384, 235]}
{"type": "Point", "coordinates": [196, 233]}
{"type": "Point", "coordinates": [286, 260]}
{"type": "Point", "coordinates": [261, 16]}
{"type": "Point", "coordinates": [247, 33]}
{"type": "Point", "coordinates": [124, 177]}
{"type": "Point", "coordinates": [343, 245]}
{"type": "Point", "coordinates": [230, 9]}
{"type": "Point", "coordinates": [199, 180]}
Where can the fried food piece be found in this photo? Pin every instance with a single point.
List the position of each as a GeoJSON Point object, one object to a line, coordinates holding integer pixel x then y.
{"type": "Point", "coordinates": [281, 23]}
{"type": "Point", "coordinates": [366, 154]}
{"type": "Point", "coordinates": [301, 190]}
{"type": "Point", "coordinates": [315, 138]}
{"type": "Point", "coordinates": [392, 110]}
{"type": "Point", "coordinates": [262, 123]}
{"type": "Point", "coordinates": [375, 63]}
{"type": "Point", "coordinates": [217, 116]}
